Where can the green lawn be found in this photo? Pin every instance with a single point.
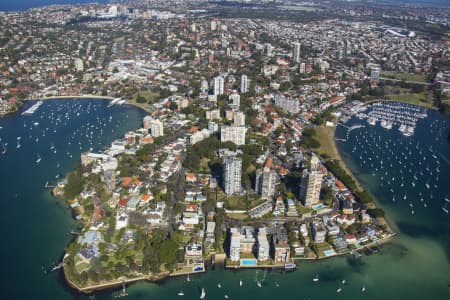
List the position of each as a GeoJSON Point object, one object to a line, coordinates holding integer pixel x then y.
{"type": "Point", "coordinates": [237, 202]}
{"type": "Point", "coordinates": [150, 96]}
{"type": "Point", "coordinates": [238, 216]}
{"type": "Point", "coordinates": [325, 136]}
{"type": "Point", "coordinates": [405, 76]}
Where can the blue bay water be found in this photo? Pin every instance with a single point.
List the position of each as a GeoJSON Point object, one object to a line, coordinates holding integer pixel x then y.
{"type": "Point", "coordinates": [7, 5]}
{"type": "Point", "coordinates": [35, 226]}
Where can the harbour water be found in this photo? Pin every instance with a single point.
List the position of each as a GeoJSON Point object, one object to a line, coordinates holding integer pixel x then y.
{"type": "Point", "coordinates": [35, 226]}
{"type": "Point", "coordinates": [415, 265]}
{"type": "Point", "coordinates": [28, 4]}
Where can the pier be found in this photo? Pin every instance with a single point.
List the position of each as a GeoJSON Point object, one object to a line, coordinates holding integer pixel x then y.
{"type": "Point", "coordinates": [48, 186]}
{"type": "Point", "coordinates": [349, 129]}
{"type": "Point", "coordinates": [33, 108]}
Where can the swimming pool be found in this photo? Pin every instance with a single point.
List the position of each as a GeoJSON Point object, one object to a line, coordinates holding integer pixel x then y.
{"type": "Point", "coordinates": [329, 252]}
{"type": "Point", "coordinates": [318, 206]}
{"type": "Point", "coordinates": [248, 262]}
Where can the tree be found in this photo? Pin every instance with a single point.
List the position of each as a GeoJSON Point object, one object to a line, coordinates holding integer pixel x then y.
{"type": "Point", "coordinates": [141, 99]}
{"type": "Point", "coordinates": [376, 212]}
{"type": "Point", "coordinates": [327, 196]}
{"type": "Point", "coordinates": [167, 251]}
{"type": "Point", "coordinates": [74, 184]}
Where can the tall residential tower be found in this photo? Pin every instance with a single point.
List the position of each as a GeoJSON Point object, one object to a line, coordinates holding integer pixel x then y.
{"type": "Point", "coordinates": [232, 173]}
{"type": "Point", "coordinates": [311, 184]}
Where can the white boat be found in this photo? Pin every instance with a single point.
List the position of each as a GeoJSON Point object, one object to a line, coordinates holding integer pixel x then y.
{"type": "Point", "coordinates": [123, 293]}
{"type": "Point", "coordinates": [343, 281]}
{"type": "Point", "coordinates": [180, 293]}
{"type": "Point", "coordinates": [338, 290]}
{"type": "Point", "coordinates": [38, 159]}
{"type": "Point", "coordinates": [203, 294]}
{"type": "Point", "coordinates": [114, 101]}
{"type": "Point", "coordinates": [316, 278]}
{"type": "Point", "coordinates": [241, 283]}
{"type": "Point", "coordinates": [219, 285]}
{"type": "Point", "coordinates": [188, 279]}
{"type": "Point", "coordinates": [258, 284]}
{"type": "Point", "coordinates": [363, 289]}
{"type": "Point", "coordinates": [226, 296]}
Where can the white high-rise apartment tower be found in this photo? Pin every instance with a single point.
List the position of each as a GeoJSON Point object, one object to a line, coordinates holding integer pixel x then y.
{"type": "Point", "coordinates": [244, 83]}
{"type": "Point", "coordinates": [232, 173]}
{"type": "Point", "coordinates": [311, 184]}
{"type": "Point", "coordinates": [156, 128]}
{"type": "Point", "coordinates": [296, 53]}
{"type": "Point", "coordinates": [218, 85]}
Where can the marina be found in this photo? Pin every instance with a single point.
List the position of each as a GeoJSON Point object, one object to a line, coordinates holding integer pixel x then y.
{"type": "Point", "coordinates": [390, 114]}
{"type": "Point", "coordinates": [391, 160]}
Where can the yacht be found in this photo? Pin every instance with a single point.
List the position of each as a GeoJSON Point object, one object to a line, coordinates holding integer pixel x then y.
{"type": "Point", "coordinates": [38, 159]}
{"type": "Point", "coordinates": [203, 294]}
{"type": "Point", "coordinates": [181, 293]}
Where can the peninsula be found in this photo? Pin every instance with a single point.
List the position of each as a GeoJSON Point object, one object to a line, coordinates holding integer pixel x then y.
{"type": "Point", "coordinates": [168, 197]}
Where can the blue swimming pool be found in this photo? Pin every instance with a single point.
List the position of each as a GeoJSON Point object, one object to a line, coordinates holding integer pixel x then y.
{"type": "Point", "coordinates": [318, 206]}
{"type": "Point", "coordinates": [249, 262]}
{"type": "Point", "coordinates": [329, 252]}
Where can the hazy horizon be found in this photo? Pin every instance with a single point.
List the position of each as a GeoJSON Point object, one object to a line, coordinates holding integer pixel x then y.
{"type": "Point", "coordinates": [27, 4]}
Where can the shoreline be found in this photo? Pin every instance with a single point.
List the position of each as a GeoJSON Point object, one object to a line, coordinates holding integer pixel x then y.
{"type": "Point", "coordinates": [375, 203]}
{"type": "Point", "coordinates": [90, 97]}
{"type": "Point", "coordinates": [114, 283]}
{"type": "Point", "coordinates": [338, 157]}
{"type": "Point", "coordinates": [87, 97]}
{"type": "Point", "coordinates": [165, 275]}
{"type": "Point", "coordinates": [334, 154]}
